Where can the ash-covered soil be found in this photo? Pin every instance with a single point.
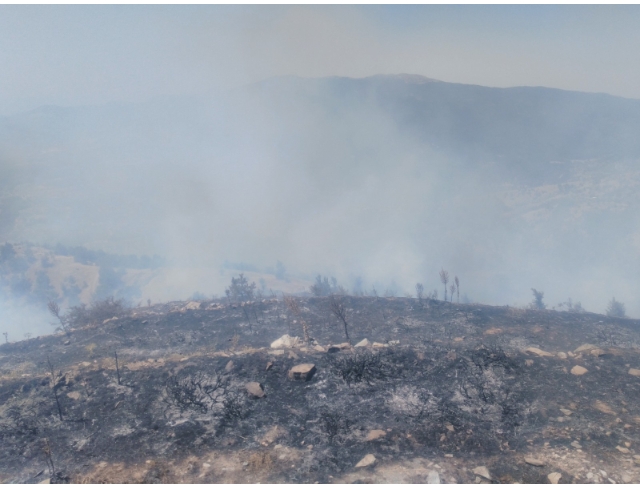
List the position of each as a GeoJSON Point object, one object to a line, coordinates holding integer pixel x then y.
{"type": "Point", "coordinates": [442, 392]}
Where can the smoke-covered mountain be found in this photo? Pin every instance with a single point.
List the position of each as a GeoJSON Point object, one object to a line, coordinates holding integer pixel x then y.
{"type": "Point", "coordinates": [379, 181]}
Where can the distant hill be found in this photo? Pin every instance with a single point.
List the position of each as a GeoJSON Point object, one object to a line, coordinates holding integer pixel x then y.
{"type": "Point", "coordinates": [378, 180]}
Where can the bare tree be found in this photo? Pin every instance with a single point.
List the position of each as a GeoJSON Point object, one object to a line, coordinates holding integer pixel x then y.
{"type": "Point", "coordinates": [452, 290]}
{"type": "Point", "coordinates": [54, 309]}
{"type": "Point", "coordinates": [457, 287]}
{"type": "Point", "coordinates": [6, 336]}
{"type": "Point", "coordinates": [115, 353]}
{"type": "Point", "coordinates": [292, 304]}
{"type": "Point", "coordinates": [444, 279]}
{"type": "Point", "coordinates": [55, 383]}
{"type": "Point", "coordinates": [420, 293]}
{"type": "Point", "coordinates": [339, 309]}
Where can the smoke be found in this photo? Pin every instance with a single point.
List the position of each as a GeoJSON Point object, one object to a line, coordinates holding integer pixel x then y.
{"type": "Point", "coordinates": [166, 143]}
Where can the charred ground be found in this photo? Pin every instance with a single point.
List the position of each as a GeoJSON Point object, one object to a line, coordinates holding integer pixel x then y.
{"type": "Point", "coordinates": [442, 388]}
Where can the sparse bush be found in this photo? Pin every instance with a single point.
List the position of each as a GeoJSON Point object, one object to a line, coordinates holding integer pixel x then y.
{"type": "Point", "coordinates": [537, 302]}
{"type": "Point", "coordinates": [616, 309]}
{"type": "Point", "coordinates": [240, 289]}
{"type": "Point", "coordinates": [199, 392]}
{"type": "Point", "coordinates": [96, 313]}
{"type": "Point", "coordinates": [362, 366]}
{"type": "Point", "coordinates": [333, 424]}
{"type": "Point", "coordinates": [323, 287]}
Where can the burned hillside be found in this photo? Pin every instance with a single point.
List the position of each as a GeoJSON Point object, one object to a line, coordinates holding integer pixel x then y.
{"type": "Point", "coordinates": [392, 390]}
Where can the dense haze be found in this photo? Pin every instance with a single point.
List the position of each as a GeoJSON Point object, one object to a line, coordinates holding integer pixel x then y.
{"type": "Point", "coordinates": [203, 156]}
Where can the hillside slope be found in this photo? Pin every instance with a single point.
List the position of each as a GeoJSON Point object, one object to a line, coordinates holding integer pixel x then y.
{"type": "Point", "coordinates": [443, 392]}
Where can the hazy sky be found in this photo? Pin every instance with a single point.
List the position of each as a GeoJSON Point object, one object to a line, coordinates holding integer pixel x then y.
{"type": "Point", "coordinates": [93, 54]}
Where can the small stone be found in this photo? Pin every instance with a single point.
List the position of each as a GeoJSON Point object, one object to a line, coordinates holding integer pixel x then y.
{"type": "Point", "coordinates": [575, 444]}
{"type": "Point", "coordinates": [534, 461]}
{"type": "Point", "coordinates": [255, 390]}
{"type": "Point", "coordinates": [634, 372]}
{"type": "Point", "coordinates": [603, 407]}
{"type": "Point", "coordinates": [482, 472]}
{"type": "Point", "coordinates": [393, 343]}
{"type": "Point", "coordinates": [578, 370]}
{"type": "Point", "coordinates": [538, 352]}
{"type": "Point", "coordinates": [585, 348]}
{"type": "Point", "coordinates": [367, 461]}
{"type": "Point", "coordinates": [67, 342]}
{"type": "Point", "coordinates": [626, 478]}
{"type": "Point", "coordinates": [622, 449]}
{"type": "Point", "coordinates": [562, 355]}
{"type": "Point", "coordinates": [302, 372]}
{"type": "Point", "coordinates": [375, 434]}
{"type": "Point", "coordinates": [245, 464]}
{"type": "Point", "coordinates": [229, 366]}
{"type": "Point", "coordinates": [597, 352]}
{"type": "Point", "coordinates": [528, 362]}
{"type": "Point", "coordinates": [293, 356]}
{"type": "Point", "coordinates": [554, 477]}
{"type": "Point", "coordinates": [319, 348]}
{"type": "Point", "coordinates": [627, 444]}
{"type": "Point", "coordinates": [379, 345]}
{"type": "Point", "coordinates": [450, 427]}
{"type": "Point", "coordinates": [363, 343]}
{"type": "Point", "coordinates": [433, 477]}
{"type": "Point", "coordinates": [566, 412]}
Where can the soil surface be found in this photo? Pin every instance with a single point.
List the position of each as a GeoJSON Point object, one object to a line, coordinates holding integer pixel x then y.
{"type": "Point", "coordinates": [442, 392]}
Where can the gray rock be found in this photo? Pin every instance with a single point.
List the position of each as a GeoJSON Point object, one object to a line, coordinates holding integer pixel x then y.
{"type": "Point", "coordinates": [433, 477]}
{"type": "Point", "coordinates": [302, 372]}
{"type": "Point", "coordinates": [255, 390]}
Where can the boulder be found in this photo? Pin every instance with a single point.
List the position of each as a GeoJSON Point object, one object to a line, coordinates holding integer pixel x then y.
{"type": "Point", "coordinates": [584, 348]}
{"type": "Point", "coordinates": [363, 343]}
{"type": "Point", "coordinates": [255, 390]}
{"type": "Point", "coordinates": [286, 341]}
{"type": "Point", "coordinates": [302, 372]}
{"type": "Point", "coordinates": [538, 352]}
{"type": "Point", "coordinates": [366, 461]}
{"type": "Point", "coordinates": [562, 355]}
{"type": "Point", "coordinates": [578, 370]}
{"type": "Point", "coordinates": [376, 434]}
{"type": "Point", "coordinates": [192, 305]}
{"type": "Point", "coordinates": [634, 372]}
{"type": "Point", "coordinates": [319, 348]}
{"type": "Point", "coordinates": [597, 352]}
{"type": "Point", "coordinates": [482, 472]}
{"type": "Point", "coordinates": [379, 345]}
{"type": "Point", "coordinates": [229, 366]}
{"type": "Point", "coordinates": [433, 477]}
